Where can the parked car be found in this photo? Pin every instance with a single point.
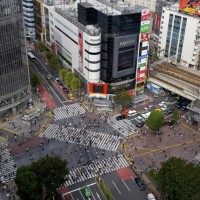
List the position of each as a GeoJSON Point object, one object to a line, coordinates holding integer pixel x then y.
{"type": "Point", "coordinates": [140, 183]}
{"type": "Point", "coordinates": [59, 82]}
{"type": "Point", "coordinates": [65, 90]}
{"type": "Point", "coordinates": [120, 117]}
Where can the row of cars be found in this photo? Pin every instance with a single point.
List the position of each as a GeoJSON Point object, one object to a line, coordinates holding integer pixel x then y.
{"type": "Point", "coordinates": [66, 91]}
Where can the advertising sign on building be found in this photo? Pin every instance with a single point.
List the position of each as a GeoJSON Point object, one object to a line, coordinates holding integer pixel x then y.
{"type": "Point", "coordinates": [144, 37]}
{"type": "Point", "coordinates": [190, 6]}
{"type": "Point", "coordinates": [146, 15]}
{"type": "Point", "coordinates": [157, 22]}
{"type": "Point", "coordinates": [145, 25]}
{"type": "Point", "coordinates": [80, 48]}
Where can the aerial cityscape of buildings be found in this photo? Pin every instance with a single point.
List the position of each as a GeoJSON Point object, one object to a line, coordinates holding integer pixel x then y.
{"type": "Point", "coordinates": [91, 73]}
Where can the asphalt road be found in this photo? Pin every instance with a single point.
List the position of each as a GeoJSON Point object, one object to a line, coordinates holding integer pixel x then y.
{"type": "Point", "coordinates": [42, 68]}
{"type": "Point", "coordinates": [124, 188]}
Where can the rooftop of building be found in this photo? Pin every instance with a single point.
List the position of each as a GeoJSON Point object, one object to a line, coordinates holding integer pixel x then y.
{"type": "Point", "coordinates": [69, 11]}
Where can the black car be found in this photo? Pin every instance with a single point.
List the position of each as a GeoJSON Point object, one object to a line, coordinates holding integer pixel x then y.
{"type": "Point", "coordinates": [65, 90]}
{"type": "Point", "coordinates": [59, 82]}
{"type": "Point", "coordinates": [140, 125]}
{"type": "Point", "coordinates": [120, 117]}
{"type": "Point", "coordinates": [140, 183]}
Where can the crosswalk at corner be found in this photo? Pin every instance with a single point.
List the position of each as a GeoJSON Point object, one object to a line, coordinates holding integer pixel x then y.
{"type": "Point", "coordinates": [68, 111]}
{"type": "Point", "coordinates": [125, 126]}
{"type": "Point", "coordinates": [82, 137]}
{"type": "Point", "coordinates": [97, 167]}
{"type": "Point", "coordinates": [7, 166]}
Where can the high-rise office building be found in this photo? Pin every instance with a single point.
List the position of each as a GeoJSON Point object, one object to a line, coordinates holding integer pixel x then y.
{"type": "Point", "coordinates": [29, 18]}
{"type": "Point", "coordinates": [14, 74]}
{"type": "Point", "coordinates": [180, 35]}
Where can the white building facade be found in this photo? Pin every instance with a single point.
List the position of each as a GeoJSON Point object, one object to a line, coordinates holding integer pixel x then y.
{"type": "Point", "coordinates": [29, 18]}
{"type": "Point", "coordinates": [180, 37]}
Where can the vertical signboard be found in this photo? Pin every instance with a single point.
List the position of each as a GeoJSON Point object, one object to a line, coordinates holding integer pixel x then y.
{"type": "Point", "coordinates": [80, 49]}
{"type": "Point", "coordinates": [143, 50]}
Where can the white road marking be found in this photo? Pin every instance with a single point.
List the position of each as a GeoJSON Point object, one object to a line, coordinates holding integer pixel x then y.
{"type": "Point", "coordinates": [98, 196]}
{"type": "Point", "coordinates": [126, 185]}
{"type": "Point", "coordinates": [78, 189]}
{"type": "Point", "coordinates": [81, 194]}
{"type": "Point", "coordinates": [116, 187]}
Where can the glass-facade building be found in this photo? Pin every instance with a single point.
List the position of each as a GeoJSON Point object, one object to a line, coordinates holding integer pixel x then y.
{"type": "Point", "coordinates": [14, 73]}
{"type": "Point", "coordinates": [175, 36]}
{"type": "Point", "coordinates": [119, 42]}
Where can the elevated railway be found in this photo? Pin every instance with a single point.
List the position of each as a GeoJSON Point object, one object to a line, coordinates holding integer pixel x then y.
{"type": "Point", "coordinates": [180, 80]}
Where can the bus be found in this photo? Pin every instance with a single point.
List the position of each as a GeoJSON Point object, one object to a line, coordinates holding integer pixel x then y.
{"type": "Point", "coordinates": [31, 56]}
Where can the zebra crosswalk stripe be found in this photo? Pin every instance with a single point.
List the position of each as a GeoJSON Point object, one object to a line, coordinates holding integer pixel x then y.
{"type": "Point", "coordinates": [97, 167]}
{"type": "Point", "coordinates": [125, 127]}
{"type": "Point", "coordinates": [78, 136]}
{"type": "Point", "coordinates": [68, 111]}
{"type": "Point", "coordinates": [8, 169]}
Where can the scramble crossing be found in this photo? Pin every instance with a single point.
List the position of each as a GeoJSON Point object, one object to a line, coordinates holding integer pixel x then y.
{"type": "Point", "coordinates": [82, 137]}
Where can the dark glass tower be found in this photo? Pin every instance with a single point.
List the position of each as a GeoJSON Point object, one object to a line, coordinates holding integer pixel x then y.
{"type": "Point", "coordinates": [14, 74]}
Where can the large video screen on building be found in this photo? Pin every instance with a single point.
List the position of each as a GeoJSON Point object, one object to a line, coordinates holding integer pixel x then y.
{"type": "Point", "coordinates": [190, 6]}
{"type": "Point", "coordinates": [125, 55]}
{"type": "Point", "coordinates": [125, 60]}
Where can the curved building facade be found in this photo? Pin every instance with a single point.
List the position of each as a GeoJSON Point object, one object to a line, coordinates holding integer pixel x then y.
{"type": "Point", "coordinates": [14, 73]}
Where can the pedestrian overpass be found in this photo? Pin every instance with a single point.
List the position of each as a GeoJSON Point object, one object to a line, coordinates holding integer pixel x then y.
{"type": "Point", "coordinates": [177, 79]}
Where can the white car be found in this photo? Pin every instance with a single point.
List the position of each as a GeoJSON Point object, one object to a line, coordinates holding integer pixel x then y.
{"type": "Point", "coordinates": [161, 104]}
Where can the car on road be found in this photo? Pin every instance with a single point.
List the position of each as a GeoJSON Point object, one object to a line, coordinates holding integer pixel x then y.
{"type": "Point", "coordinates": [140, 183]}
{"type": "Point", "coordinates": [65, 90]}
{"type": "Point", "coordinates": [86, 191]}
{"type": "Point", "coordinates": [120, 117]}
{"type": "Point", "coordinates": [59, 82]}
{"type": "Point", "coordinates": [71, 96]}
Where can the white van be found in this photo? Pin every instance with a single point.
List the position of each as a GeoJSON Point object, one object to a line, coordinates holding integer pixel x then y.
{"type": "Point", "coordinates": [131, 113]}
{"type": "Point", "coordinates": [150, 196]}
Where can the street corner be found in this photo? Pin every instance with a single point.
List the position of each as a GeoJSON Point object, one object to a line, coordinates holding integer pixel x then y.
{"type": "Point", "coordinates": [126, 173]}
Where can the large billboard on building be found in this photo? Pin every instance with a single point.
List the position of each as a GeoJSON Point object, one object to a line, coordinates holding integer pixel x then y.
{"type": "Point", "coordinates": [125, 55]}
{"type": "Point", "coordinates": [190, 6]}
{"type": "Point", "coordinates": [98, 88]}
{"type": "Point", "coordinates": [80, 49]}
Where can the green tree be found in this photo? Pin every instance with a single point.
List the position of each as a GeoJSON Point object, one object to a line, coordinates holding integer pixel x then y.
{"type": "Point", "coordinates": [75, 84]}
{"type": "Point", "coordinates": [35, 79]}
{"type": "Point", "coordinates": [54, 63]}
{"type": "Point", "coordinates": [175, 116]}
{"type": "Point", "coordinates": [155, 120]}
{"type": "Point", "coordinates": [42, 179]}
{"type": "Point", "coordinates": [123, 98]}
{"type": "Point", "coordinates": [179, 179]}
{"type": "Point", "coordinates": [51, 173]}
{"type": "Point", "coordinates": [68, 77]}
{"type": "Point", "coordinates": [27, 184]}
{"type": "Point", "coordinates": [41, 46]}
{"type": "Point", "coordinates": [62, 73]}
{"type": "Point", "coordinates": [49, 55]}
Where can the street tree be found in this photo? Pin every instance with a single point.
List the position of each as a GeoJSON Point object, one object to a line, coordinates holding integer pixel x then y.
{"type": "Point", "coordinates": [49, 55]}
{"type": "Point", "coordinates": [123, 98]}
{"type": "Point", "coordinates": [51, 173]}
{"type": "Point", "coordinates": [179, 179]}
{"type": "Point", "coordinates": [175, 116]}
{"type": "Point", "coordinates": [28, 186]}
{"type": "Point", "coordinates": [54, 63]}
{"type": "Point", "coordinates": [41, 46]}
{"type": "Point", "coordinates": [68, 77]}
{"type": "Point", "coordinates": [35, 79]}
{"type": "Point", "coordinates": [62, 73]}
{"type": "Point", "coordinates": [75, 84]}
{"type": "Point", "coordinates": [155, 120]}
